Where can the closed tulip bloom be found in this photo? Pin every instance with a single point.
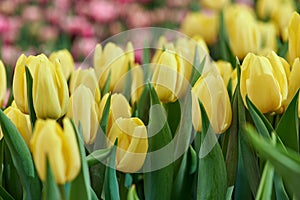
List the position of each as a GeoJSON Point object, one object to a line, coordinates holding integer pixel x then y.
{"type": "Point", "coordinates": [265, 8]}
{"type": "Point", "coordinates": [132, 143]}
{"type": "Point", "coordinates": [21, 121]}
{"type": "Point", "coordinates": [225, 70]}
{"type": "Point", "coordinates": [168, 76]}
{"type": "Point", "coordinates": [2, 83]}
{"type": "Point", "coordinates": [66, 60]}
{"type": "Point", "coordinates": [86, 77]}
{"type": "Point", "coordinates": [255, 70]}
{"type": "Point", "coordinates": [246, 39]}
{"type": "Point", "coordinates": [211, 91]}
{"type": "Point", "coordinates": [59, 146]}
{"type": "Point", "coordinates": [50, 90]}
{"type": "Point", "coordinates": [119, 107]}
{"type": "Point", "coordinates": [192, 25]}
{"type": "Point", "coordinates": [294, 37]}
{"type": "Point", "coordinates": [112, 59]}
{"type": "Point", "coordinates": [83, 109]}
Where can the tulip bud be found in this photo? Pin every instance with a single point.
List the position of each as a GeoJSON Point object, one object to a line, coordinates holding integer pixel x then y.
{"type": "Point", "coordinates": [132, 143]}
{"type": "Point", "coordinates": [2, 83]}
{"type": "Point", "coordinates": [245, 39]}
{"type": "Point", "coordinates": [119, 107]}
{"type": "Point", "coordinates": [83, 109]}
{"type": "Point", "coordinates": [294, 37]}
{"type": "Point", "coordinates": [21, 121]}
{"type": "Point", "coordinates": [50, 90]}
{"type": "Point", "coordinates": [255, 70]}
{"type": "Point", "coordinates": [66, 60]}
{"type": "Point", "coordinates": [225, 70]}
{"type": "Point", "coordinates": [193, 24]}
{"type": "Point", "coordinates": [112, 59]}
{"type": "Point", "coordinates": [59, 146]}
{"type": "Point", "coordinates": [86, 77]}
{"type": "Point", "coordinates": [211, 91]}
{"type": "Point", "coordinates": [168, 76]}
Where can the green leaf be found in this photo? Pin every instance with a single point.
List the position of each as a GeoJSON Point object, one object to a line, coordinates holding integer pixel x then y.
{"type": "Point", "coordinates": [143, 106]}
{"type": "Point", "coordinates": [98, 156]}
{"type": "Point", "coordinates": [288, 126]}
{"type": "Point", "coordinates": [50, 189]}
{"type": "Point", "coordinates": [4, 194]}
{"type": "Point", "coordinates": [128, 181]}
{"type": "Point", "coordinates": [132, 195]}
{"type": "Point", "coordinates": [283, 49]}
{"type": "Point", "coordinates": [21, 158]}
{"type": "Point", "coordinates": [232, 147]}
{"type": "Point", "coordinates": [29, 82]}
{"type": "Point", "coordinates": [279, 188]}
{"type": "Point", "coordinates": [158, 184]}
{"type": "Point", "coordinates": [212, 178]}
{"type": "Point", "coordinates": [111, 187]}
{"type": "Point", "coordinates": [286, 162]}
{"type": "Point", "coordinates": [104, 119]}
{"type": "Point", "coordinates": [225, 50]}
{"type": "Point", "coordinates": [266, 183]}
{"type": "Point", "coordinates": [80, 186]}
{"type": "Point", "coordinates": [262, 124]}
{"type": "Point", "coordinates": [193, 163]}
{"type": "Point", "coordinates": [93, 194]}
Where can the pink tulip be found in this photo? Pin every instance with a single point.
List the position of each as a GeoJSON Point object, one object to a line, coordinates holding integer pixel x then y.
{"type": "Point", "coordinates": [102, 11]}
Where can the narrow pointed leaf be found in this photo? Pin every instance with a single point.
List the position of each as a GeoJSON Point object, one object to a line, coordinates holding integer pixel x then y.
{"type": "Point", "coordinates": [98, 156]}
{"type": "Point", "coordinates": [111, 187]}
{"type": "Point", "coordinates": [80, 186]}
{"type": "Point", "coordinates": [288, 126]}
{"type": "Point", "coordinates": [212, 178]}
{"type": "Point", "coordinates": [50, 190]}
{"type": "Point", "coordinates": [4, 194]}
{"type": "Point", "coordinates": [158, 184]}
{"type": "Point", "coordinates": [29, 83]}
{"type": "Point", "coordinates": [266, 183]}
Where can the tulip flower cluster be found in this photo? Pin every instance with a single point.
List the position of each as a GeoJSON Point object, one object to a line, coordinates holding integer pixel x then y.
{"type": "Point", "coordinates": [210, 116]}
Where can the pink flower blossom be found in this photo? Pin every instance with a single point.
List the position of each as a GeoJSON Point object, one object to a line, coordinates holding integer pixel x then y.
{"type": "Point", "coordinates": [32, 13]}
{"type": "Point", "coordinates": [82, 47]}
{"type": "Point", "coordinates": [10, 54]}
{"type": "Point", "coordinates": [102, 11]}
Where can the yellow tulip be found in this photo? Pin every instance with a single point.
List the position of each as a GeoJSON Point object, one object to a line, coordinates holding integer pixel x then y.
{"type": "Point", "coordinates": [2, 83]}
{"type": "Point", "coordinates": [193, 24]}
{"type": "Point", "coordinates": [119, 107]}
{"type": "Point", "coordinates": [256, 70]}
{"type": "Point", "coordinates": [21, 121]}
{"type": "Point", "coordinates": [66, 60]}
{"type": "Point", "coordinates": [265, 8]}
{"type": "Point", "coordinates": [243, 32]}
{"type": "Point", "coordinates": [83, 109]}
{"type": "Point", "coordinates": [137, 85]}
{"type": "Point", "coordinates": [112, 59]}
{"type": "Point", "coordinates": [225, 70]}
{"type": "Point", "coordinates": [59, 146]}
{"type": "Point", "coordinates": [294, 83]}
{"type": "Point", "coordinates": [214, 4]}
{"type": "Point", "coordinates": [86, 77]}
{"type": "Point", "coordinates": [268, 37]}
{"type": "Point", "coordinates": [294, 37]}
{"type": "Point", "coordinates": [50, 90]}
{"type": "Point", "coordinates": [211, 91]}
{"type": "Point", "coordinates": [132, 143]}
{"type": "Point", "coordinates": [168, 76]}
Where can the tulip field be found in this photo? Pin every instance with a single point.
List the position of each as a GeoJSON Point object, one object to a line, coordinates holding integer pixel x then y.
{"type": "Point", "coordinates": [149, 99]}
